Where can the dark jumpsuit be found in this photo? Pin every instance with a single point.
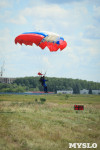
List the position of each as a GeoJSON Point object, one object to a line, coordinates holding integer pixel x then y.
{"type": "Point", "coordinates": [44, 85]}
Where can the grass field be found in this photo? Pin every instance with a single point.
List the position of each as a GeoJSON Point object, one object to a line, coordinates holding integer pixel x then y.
{"type": "Point", "coordinates": [28, 124]}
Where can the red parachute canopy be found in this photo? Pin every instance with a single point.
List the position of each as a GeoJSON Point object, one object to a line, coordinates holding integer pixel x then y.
{"type": "Point", "coordinates": [40, 74]}
{"type": "Point", "coordinates": [42, 39]}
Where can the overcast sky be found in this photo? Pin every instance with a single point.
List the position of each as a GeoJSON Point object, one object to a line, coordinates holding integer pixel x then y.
{"type": "Point", "coordinates": [78, 21]}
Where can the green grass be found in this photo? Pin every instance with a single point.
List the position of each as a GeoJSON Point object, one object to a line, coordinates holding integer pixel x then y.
{"type": "Point", "coordinates": [27, 124]}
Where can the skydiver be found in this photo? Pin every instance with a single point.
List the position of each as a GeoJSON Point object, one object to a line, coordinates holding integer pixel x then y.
{"type": "Point", "coordinates": [42, 80]}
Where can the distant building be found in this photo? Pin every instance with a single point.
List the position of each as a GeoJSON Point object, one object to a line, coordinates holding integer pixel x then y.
{"type": "Point", "coordinates": [7, 80]}
{"type": "Point", "coordinates": [84, 91]}
{"type": "Point", "coordinates": [65, 92]}
{"type": "Point", "coordinates": [95, 91]}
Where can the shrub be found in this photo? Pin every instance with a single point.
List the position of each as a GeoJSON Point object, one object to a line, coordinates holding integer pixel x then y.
{"type": "Point", "coordinates": [42, 100]}
{"type": "Point", "coordinates": [36, 100]}
{"type": "Point", "coordinates": [66, 96]}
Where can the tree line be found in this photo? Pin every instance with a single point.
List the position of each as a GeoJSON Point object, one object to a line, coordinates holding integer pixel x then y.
{"type": "Point", "coordinates": [53, 84]}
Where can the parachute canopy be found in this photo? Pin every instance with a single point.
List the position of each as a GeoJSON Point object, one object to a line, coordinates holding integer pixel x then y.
{"type": "Point", "coordinates": [40, 74]}
{"type": "Point", "coordinates": [42, 39]}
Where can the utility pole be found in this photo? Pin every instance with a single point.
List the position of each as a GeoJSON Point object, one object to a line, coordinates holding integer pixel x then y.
{"type": "Point", "coordinates": [2, 70]}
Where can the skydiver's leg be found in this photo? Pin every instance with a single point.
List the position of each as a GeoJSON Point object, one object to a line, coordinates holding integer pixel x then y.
{"type": "Point", "coordinates": [46, 89]}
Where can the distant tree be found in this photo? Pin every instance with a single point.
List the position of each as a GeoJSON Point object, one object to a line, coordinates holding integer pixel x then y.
{"type": "Point", "coordinates": [76, 89]}
{"type": "Point", "coordinates": [90, 91]}
{"type": "Point", "coordinates": [54, 84]}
